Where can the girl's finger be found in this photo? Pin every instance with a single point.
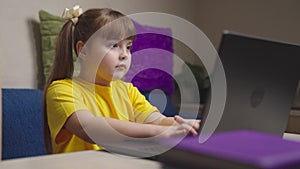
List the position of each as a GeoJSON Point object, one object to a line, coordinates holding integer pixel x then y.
{"type": "Point", "coordinates": [179, 119]}
{"type": "Point", "coordinates": [194, 123]}
{"type": "Point", "coordinates": [189, 128]}
{"type": "Point", "coordinates": [181, 132]}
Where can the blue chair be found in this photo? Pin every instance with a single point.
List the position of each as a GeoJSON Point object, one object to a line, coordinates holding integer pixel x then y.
{"type": "Point", "coordinates": [22, 124]}
{"type": "Point", "coordinates": [162, 101]}
{"type": "Point", "coordinates": [164, 104]}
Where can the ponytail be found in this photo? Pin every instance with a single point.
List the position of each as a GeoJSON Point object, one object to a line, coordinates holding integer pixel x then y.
{"type": "Point", "coordinates": [62, 68]}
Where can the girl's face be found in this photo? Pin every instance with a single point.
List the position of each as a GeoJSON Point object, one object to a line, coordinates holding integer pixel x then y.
{"type": "Point", "coordinates": [110, 59]}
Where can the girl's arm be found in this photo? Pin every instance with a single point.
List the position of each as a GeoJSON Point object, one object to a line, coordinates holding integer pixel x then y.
{"type": "Point", "coordinates": [159, 119]}
{"type": "Point", "coordinates": [99, 129]}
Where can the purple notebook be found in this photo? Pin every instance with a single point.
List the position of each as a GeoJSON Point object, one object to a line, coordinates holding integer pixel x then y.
{"type": "Point", "coordinates": [236, 149]}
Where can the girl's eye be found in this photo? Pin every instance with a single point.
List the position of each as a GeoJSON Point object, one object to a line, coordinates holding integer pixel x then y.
{"type": "Point", "coordinates": [129, 47]}
{"type": "Point", "coordinates": [114, 45]}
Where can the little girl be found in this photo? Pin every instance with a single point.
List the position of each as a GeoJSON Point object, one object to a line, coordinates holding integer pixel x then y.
{"type": "Point", "coordinates": [97, 96]}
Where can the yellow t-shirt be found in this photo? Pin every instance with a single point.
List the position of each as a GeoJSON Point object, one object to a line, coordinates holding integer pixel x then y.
{"type": "Point", "coordinates": [120, 100]}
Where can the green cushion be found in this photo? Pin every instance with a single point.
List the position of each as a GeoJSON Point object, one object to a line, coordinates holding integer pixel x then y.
{"type": "Point", "coordinates": [50, 27]}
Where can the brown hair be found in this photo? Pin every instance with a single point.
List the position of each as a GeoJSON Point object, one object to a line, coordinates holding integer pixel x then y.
{"type": "Point", "coordinates": [88, 24]}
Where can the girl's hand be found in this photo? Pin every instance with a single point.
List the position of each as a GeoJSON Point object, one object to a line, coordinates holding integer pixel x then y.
{"type": "Point", "coordinates": [171, 131]}
{"type": "Point", "coordinates": [182, 126]}
{"type": "Point", "coordinates": [191, 124]}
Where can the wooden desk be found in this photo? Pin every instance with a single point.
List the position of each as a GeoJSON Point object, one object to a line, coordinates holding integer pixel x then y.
{"type": "Point", "coordinates": [81, 160]}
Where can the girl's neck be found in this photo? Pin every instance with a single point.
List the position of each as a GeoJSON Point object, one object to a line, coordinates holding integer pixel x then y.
{"type": "Point", "coordinates": [102, 82]}
{"type": "Point", "coordinates": [97, 81]}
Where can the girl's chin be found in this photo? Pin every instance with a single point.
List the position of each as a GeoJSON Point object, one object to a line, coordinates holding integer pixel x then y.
{"type": "Point", "coordinates": [117, 77]}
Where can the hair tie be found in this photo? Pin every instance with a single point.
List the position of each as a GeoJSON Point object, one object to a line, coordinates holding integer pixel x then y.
{"type": "Point", "coordinates": [72, 14]}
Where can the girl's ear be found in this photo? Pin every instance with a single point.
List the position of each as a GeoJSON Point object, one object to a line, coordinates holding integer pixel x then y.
{"type": "Point", "coordinates": [81, 51]}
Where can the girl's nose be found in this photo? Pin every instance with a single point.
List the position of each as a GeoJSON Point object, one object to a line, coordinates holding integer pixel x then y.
{"type": "Point", "coordinates": [123, 55]}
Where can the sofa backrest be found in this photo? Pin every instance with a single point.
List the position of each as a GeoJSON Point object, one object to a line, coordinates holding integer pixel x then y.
{"type": "Point", "coordinates": [22, 125]}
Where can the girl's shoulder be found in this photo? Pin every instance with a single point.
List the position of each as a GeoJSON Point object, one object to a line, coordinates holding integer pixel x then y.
{"type": "Point", "coordinates": [61, 83]}
{"type": "Point", "coordinates": [64, 85]}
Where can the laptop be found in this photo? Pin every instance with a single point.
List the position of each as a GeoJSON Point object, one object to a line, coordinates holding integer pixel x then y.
{"type": "Point", "coordinates": [262, 77]}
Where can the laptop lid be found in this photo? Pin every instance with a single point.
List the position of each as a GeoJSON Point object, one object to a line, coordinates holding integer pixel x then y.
{"type": "Point", "coordinates": [262, 77]}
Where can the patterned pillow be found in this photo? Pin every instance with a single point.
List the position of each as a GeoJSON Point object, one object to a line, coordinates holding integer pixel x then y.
{"type": "Point", "coordinates": [50, 26]}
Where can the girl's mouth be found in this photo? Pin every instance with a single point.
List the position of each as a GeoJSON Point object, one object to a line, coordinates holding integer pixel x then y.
{"type": "Point", "coordinates": [121, 66]}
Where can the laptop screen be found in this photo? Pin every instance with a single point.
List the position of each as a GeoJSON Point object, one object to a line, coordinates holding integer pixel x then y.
{"type": "Point", "coordinates": [262, 76]}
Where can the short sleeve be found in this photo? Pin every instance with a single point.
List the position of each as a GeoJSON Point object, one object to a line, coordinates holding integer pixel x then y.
{"type": "Point", "coordinates": [142, 108]}
{"type": "Point", "coordinates": [62, 100]}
